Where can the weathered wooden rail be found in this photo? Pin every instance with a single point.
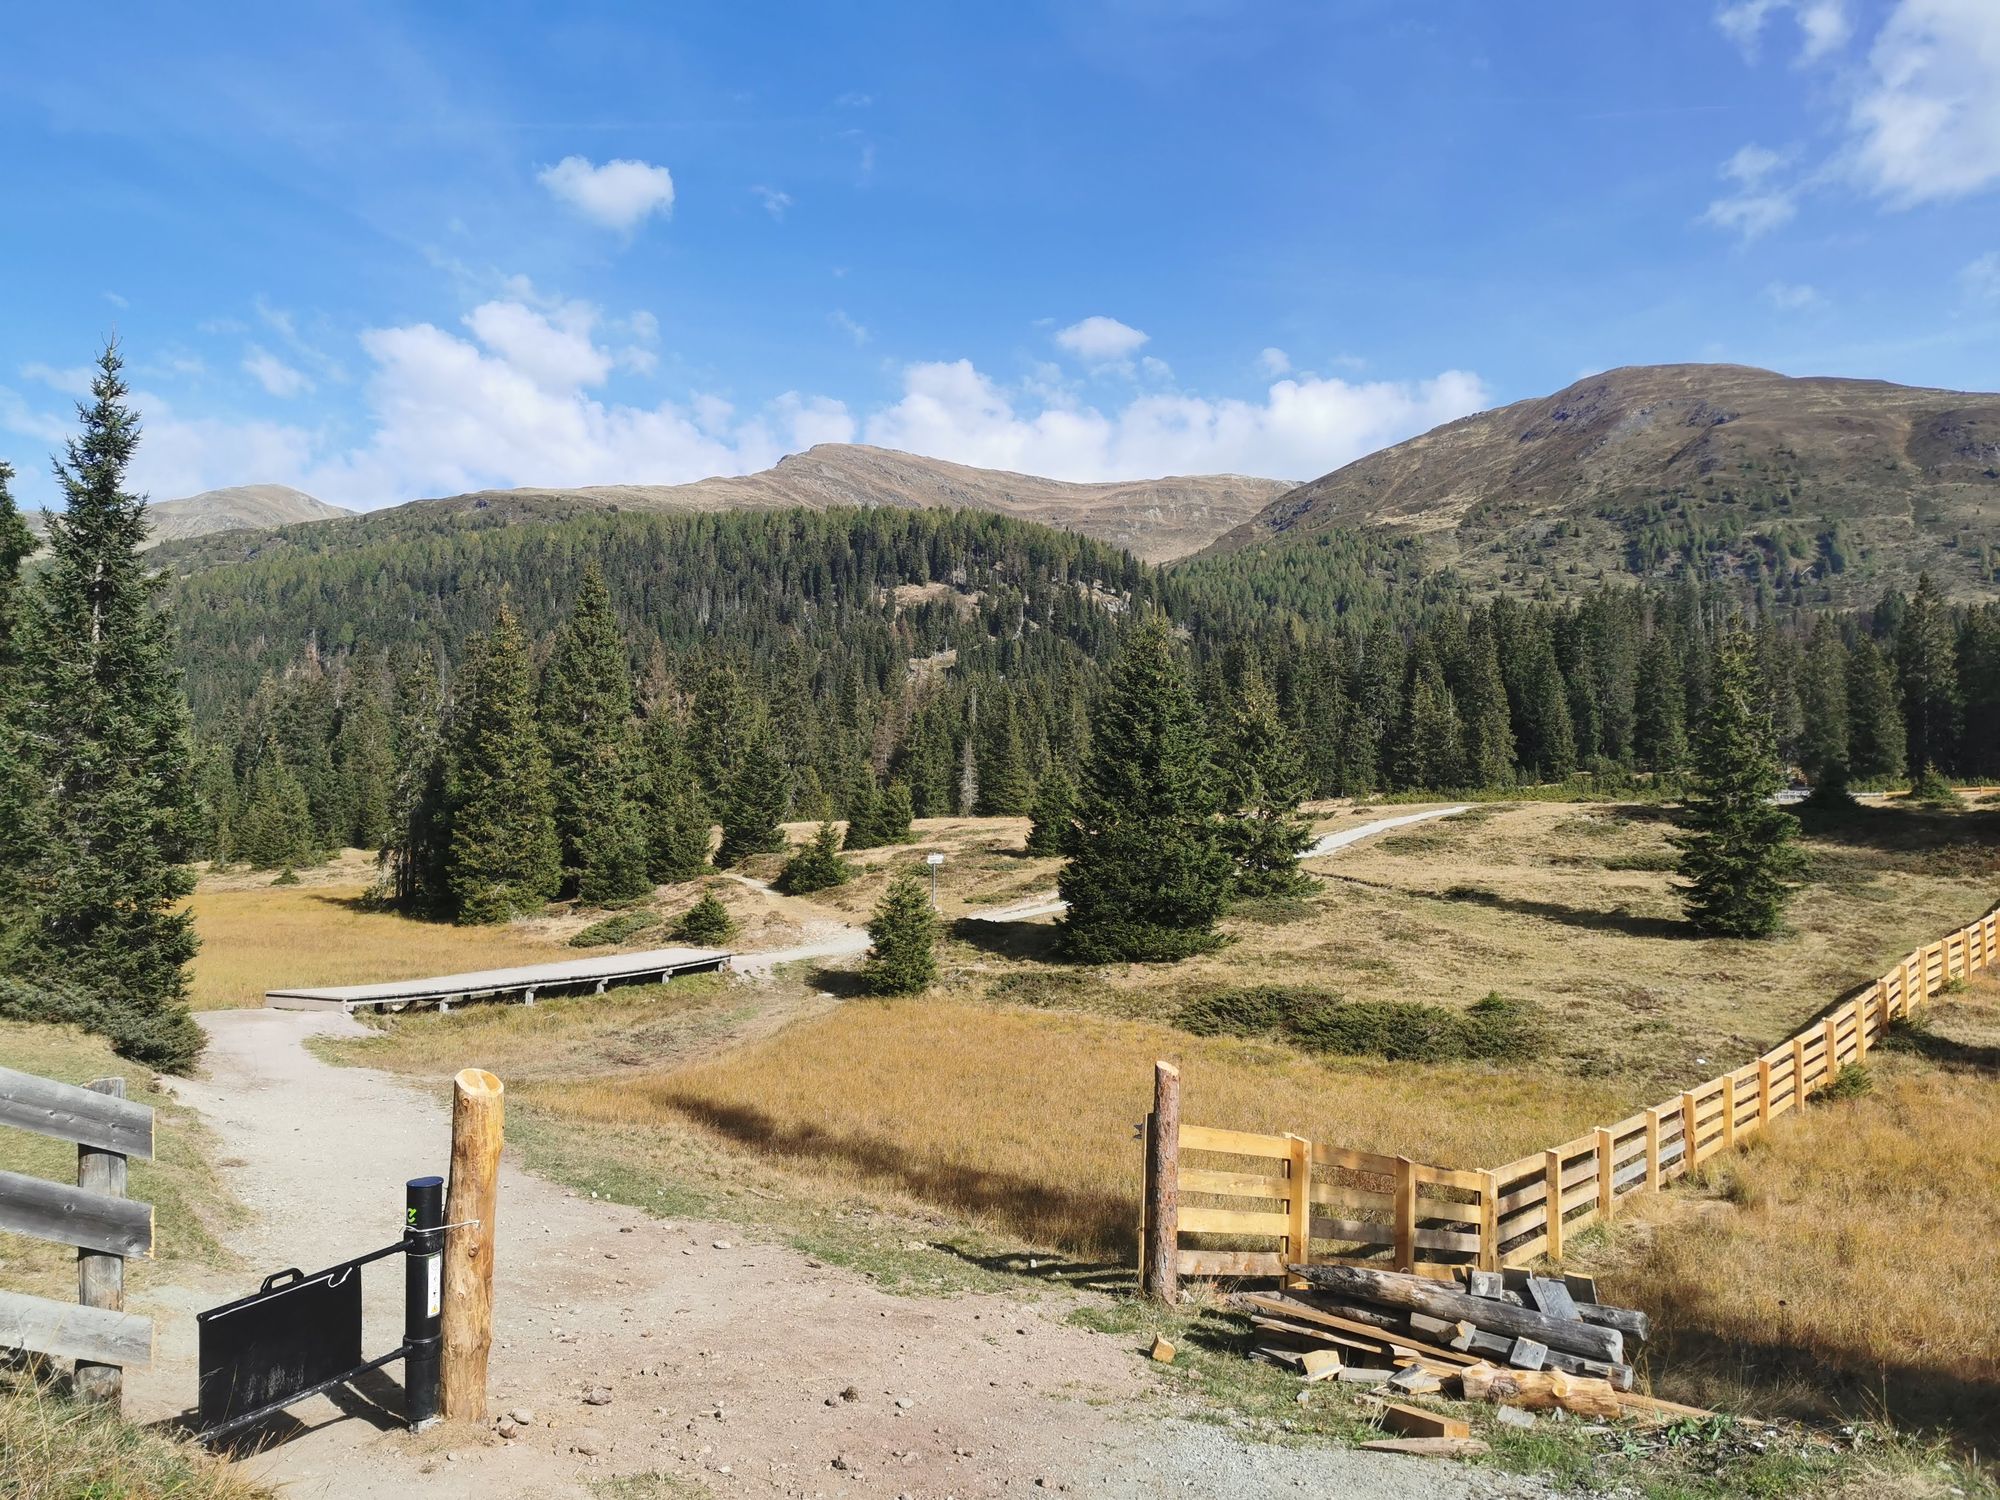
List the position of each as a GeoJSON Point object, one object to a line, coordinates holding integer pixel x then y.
{"type": "Point", "coordinates": [1299, 1202]}
{"type": "Point", "coordinates": [95, 1216]}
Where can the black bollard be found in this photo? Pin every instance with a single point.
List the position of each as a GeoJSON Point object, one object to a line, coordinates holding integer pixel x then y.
{"type": "Point", "coordinates": [423, 1290]}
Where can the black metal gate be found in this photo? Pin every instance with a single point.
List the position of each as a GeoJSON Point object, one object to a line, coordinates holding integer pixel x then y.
{"type": "Point", "coordinates": [298, 1335]}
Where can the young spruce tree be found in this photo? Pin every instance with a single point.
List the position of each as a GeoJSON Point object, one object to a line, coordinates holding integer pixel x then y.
{"type": "Point", "coordinates": [1055, 808]}
{"type": "Point", "coordinates": [760, 793]}
{"type": "Point", "coordinates": [1263, 832]}
{"type": "Point", "coordinates": [676, 814]}
{"type": "Point", "coordinates": [902, 958]}
{"type": "Point", "coordinates": [1147, 875]}
{"type": "Point", "coordinates": [503, 858]}
{"type": "Point", "coordinates": [816, 865]}
{"type": "Point", "coordinates": [586, 718]}
{"type": "Point", "coordinates": [1737, 856]}
{"type": "Point", "coordinates": [111, 816]}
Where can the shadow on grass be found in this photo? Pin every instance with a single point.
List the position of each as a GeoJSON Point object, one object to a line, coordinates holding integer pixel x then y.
{"type": "Point", "coordinates": [1041, 941]}
{"type": "Point", "coordinates": [1898, 827]}
{"type": "Point", "coordinates": [1629, 923]}
{"type": "Point", "coordinates": [1088, 1222]}
{"type": "Point", "coordinates": [1061, 1270]}
{"type": "Point", "coordinates": [846, 984]}
{"type": "Point", "coordinates": [1922, 1042]}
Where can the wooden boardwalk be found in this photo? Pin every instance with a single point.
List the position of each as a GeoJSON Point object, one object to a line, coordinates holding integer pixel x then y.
{"type": "Point", "coordinates": [524, 983]}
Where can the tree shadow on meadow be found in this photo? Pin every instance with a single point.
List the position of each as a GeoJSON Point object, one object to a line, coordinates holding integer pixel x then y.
{"type": "Point", "coordinates": [1037, 940]}
{"type": "Point", "coordinates": [1632, 924]}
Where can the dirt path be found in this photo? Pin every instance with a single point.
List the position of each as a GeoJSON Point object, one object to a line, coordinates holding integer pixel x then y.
{"type": "Point", "coordinates": [826, 936]}
{"type": "Point", "coordinates": [726, 1360]}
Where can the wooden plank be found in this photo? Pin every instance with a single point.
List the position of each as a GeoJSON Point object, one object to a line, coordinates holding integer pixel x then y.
{"type": "Point", "coordinates": [1470, 1182]}
{"type": "Point", "coordinates": [1298, 1229]}
{"type": "Point", "coordinates": [1198, 1220]}
{"type": "Point", "coordinates": [1341, 1157]}
{"type": "Point", "coordinates": [1232, 1184]}
{"type": "Point", "coordinates": [1303, 1311]}
{"type": "Point", "coordinates": [1406, 1213]}
{"type": "Point", "coordinates": [1414, 1421]}
{"type": "Point", "coordinates": [1330, 1195]}
{"type": "Point", "coordinates": [1234, 1142]}
{"type": "Point", "coordinates": [83, 1116]}
{"type": "Point", "coordinates": [1229, 1263]}
{"type": "Point", "coordinates": [1526, 1251]}
{"type": "Point", "coordinates": [1606, 1194]}
{"type": "Point", "coordinates": [1552, 1190]}
{"type": "Point", "coordinates": [65, 1331]}
{"type": "Point", "coordinates": [71, 1216]}
{"type": "Point", "coordinates": [1526, 1196]}
{"type": "Point", "coordinates": [1359, 1231]}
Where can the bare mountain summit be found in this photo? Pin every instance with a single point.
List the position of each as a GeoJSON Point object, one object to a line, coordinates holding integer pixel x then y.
{"type": "Point", "coordinates": [241, 507]}
{"type": "Point", "coordinates": [1155, 519]}
{"type": "Point", "coordinates": [1836, 487]}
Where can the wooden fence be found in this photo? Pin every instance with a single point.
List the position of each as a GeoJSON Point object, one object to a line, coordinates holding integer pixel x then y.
{"type": "Point", "coordinates": [1303, 1201]}
{"type": "Point", "coordinates": [95, 1216]}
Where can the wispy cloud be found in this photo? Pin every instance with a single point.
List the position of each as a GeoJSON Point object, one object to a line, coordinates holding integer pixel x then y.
{"type": "Point", "coordinates": [775, 200]}
{"type": "Point", "coordinates": [1760, 204]}
{"type": "Point", "coordinates": [277, 377]}
{"type": "Point", "coordinates": [1098, 340]}
{"type": "Point", "coordinates": [618, 195]}
{"type": "Point", "coordinates": [1823, 25]}
{"type": "Point", "coordinates": [1979, 278]}
{"type": "Point", "coordinates": [1794, 296]}
{"type": "Point", "coordinates": [856, 331]}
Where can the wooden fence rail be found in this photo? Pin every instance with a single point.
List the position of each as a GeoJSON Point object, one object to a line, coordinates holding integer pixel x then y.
{"type": "Point", "coordinates": [1296, 1201]}
{"type": "Point", "coordinates": [95, 1216]}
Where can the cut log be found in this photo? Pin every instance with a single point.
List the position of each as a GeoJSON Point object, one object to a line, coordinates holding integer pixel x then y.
{"type": "Point", "coordinates": [1465, 1337]}
{"type": "Point", "coordinates": [1486, 1284]}
{"type": "Point", "coordinates": [1629, 1321]}
{"type": "Point", "coordinates": [1582, 1288]}
{"type": "Point", "coordinates": [1416, 1294]}
{"type": "Point", "coordinates": [1414, 1421]}
{"type": "Point", "coordinates": [1526, 1354]}
{"type": "Point", "coordinates": [1433, 1447]}
{"type": "Point", "coordinates": [1287, 1307]}
{"type": "Point", "coordinates": [1541, 1390]}
{"type": "Point", "coordinates": [1322, 1338]}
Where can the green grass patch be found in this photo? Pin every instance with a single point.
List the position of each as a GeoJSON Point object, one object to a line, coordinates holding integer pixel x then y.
{"type": "Point", "coordinates": [1496, 1028]}
{"type": "Point", "coordinates": [615, 929]}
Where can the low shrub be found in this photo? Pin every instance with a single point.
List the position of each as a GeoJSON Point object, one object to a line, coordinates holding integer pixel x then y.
{"type": "Point", "coordinates": [616, 929]}
{"type": "Point", "coordinates": [706, 922]}
{"type": "Point", "coordinates": [1496, 1028]}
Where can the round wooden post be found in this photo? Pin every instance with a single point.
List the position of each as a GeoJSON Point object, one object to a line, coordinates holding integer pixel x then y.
{"type": "Point", "coordinates": [471, 1206]}
{"type": "Point", "coordinates": [1163, 1187]}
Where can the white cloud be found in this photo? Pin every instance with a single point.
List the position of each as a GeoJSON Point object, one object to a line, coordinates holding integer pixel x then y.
{"type": "Point", "coordinates": [618, 194]}
{"type": "Point", "coordinates": [1759, 204]}
{"type": "Point", "coordinates": [1823, 25]}
{"type": "Point", "coordinates": [277, 377]}
{"type": "Point", "coordinates": [1275, 361]}
{"type": "Point", "coordinates": [856, 331]}
{"type": "Point", "coordinates": [554, 349]}
{"type": "Point", "coordinates": [854, 100]}
{"type": "Point", "coordinates": [1300, 428]}
{"type": "Point", "coordinates": [1979, 278]}
{"type": "Point", "coordinates": [73, 380]}
{"type": "Point", "coordinates": [1793, 296]}
{"type": "Point", "coordinates": [116, 300]}
{"type": "Point", "coordinates": [1156, 369]}
{"type": "Point", "coordinates": [1100, 341]}
{"type": "Point", "coordinates": [1927, 122]}
{"type": "Point", "coordinates": [775, 200]}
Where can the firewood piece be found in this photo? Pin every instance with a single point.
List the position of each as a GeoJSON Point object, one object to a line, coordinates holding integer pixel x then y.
{"type": "Point", "coordinates": [1635, 1404]}
{"type": "Point", "coordinates": [1163, 1351]}
{"type": "Point", "coordinates": [1485, 1284]}
{"type": "Point", "coordinates": [1629, 1321]}
{"type": "Point", "coordinates": [1551, 1298]}
{"type": "Point", "coordinates": [1528, 1355]}
{"type": "Point", "coordinates": [1290, 1308]}
{"type": "Point", "coordinates": [1416, 1381]}
{"type": "Point", "coordinates": [1463, 1336]}
{"type": "Point", "coordinates": [1321, 1364]}
{"type": "Point", "coordinates": [1417, 1294]}
{"type": "Point", "coordinates": [1541, 1390]}
{"type": "Point", "coordinates": [1582, 1288]}
{"type": "Point", "coordinates": [1432, 1447]}
{"type": "Point", "coordinates": [1414, 1421]}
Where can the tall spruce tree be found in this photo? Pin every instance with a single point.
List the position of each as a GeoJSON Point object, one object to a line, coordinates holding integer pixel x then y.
{"type": "Point", "coordinates": [275, 829]}
{"type": "Point", "coordinates": [903, 933]}
{"type": "Point", "coordinates": [111, 817]}
{"type": "Point", "coordinates": [1429, 738]}
{"type": "Point", "coordinates": [1489, 731]}
{"type": "Point", "coordinates": [1660, 709]}
{"type": "Point", "coordinates": [1927, 669]}
{"type": "Point", "coordinates": [1147, 875]}
{"type": "Point", "coordinates": [1736, 854]}
{"type": "Point", "coordinates": [717, 723]}
{"type": "Point", "coordinates": [1823, 713]}
{"type": "Point", "coordinates": [503, 860]}
{"type": "Point", "coordinates": [586, 717]}
{"type": "Point", "coordinates": [893, 814]}
{"type": "Point", "coordinates": [760, 794]}
{"type": "Point", "coordinates": [1263, 832]}
{"type": "Point", "coordinates": [1055, 809]}
{"type": "Point", "coordinates": [1004, 790]}
{"type": "Point", "coordinates": [1875, 738]}
{"type": "Point", "coordinates": [676, 814]}
{"type": "Point", "coordinates": [864, 810]}
{"type": "Point", "coordinates": [17, 544]}
{"type": "Point", "coordinates": [364, 755]}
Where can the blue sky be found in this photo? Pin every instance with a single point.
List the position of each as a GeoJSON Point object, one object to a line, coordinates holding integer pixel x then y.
{"type": "Point", "coordinates": [388, 251]}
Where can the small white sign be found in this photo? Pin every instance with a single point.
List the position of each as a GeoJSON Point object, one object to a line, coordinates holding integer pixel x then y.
{"type": "Point", "coordinates": [434, 1277]}
{"type": "Point", "coordinates": [933, 859]}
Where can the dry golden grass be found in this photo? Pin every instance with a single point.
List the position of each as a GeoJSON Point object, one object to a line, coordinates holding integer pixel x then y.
{"type": "Point", "coordinates": [52, 1449]}
{"type": "Point", "coordinates": [1022, 1120]}
{"type": "Point", "coordinates": [1849, 1259]}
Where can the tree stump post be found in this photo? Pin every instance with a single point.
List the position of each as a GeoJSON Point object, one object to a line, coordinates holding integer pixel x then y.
{"type": "Point", "coordinates": [471, 1206]}
{"type": "Point", "coordinates": [1163, 1186]}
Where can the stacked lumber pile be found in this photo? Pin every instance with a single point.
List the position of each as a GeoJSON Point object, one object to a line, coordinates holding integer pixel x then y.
{"type": "Point", "coordinates": [1533, 1343]}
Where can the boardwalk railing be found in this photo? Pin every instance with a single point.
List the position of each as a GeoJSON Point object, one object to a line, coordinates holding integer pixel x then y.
{"type": "Point", "coordinates": [95, 1216]}
{"type": "Point", "coordinates": [1300, 1201]}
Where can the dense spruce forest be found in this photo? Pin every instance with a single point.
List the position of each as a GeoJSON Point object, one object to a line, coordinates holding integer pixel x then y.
{"type": "Point", "coordinates": [953, 657]}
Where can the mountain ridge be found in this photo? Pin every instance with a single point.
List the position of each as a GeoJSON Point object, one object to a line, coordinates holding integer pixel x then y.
{"type": "Point", "coordinates": [1817, 482]}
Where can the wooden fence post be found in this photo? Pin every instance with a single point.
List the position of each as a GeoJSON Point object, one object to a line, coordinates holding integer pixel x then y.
{"type": "Point", "coordinates": [1728, 1111]}
{"type": "Point", "coordinates": [1552, 1200]}
{"type": "Point", "coordinates": [470, 1212]}
{"type": "Point", "coordinates": [1830, 1029]}
{"type": "Point", "coordinates": [1763, 1093]}
{"type": "Point", "coordinates": [1406, 1214]}
{"type": "Point", "coordinates": [1489, 1221]}
{"type": "Point", "coordinates": [1606, 1188]}
{"type": "Point", "coordinates": [1163, 1188]}
{"type": "Point", "coordinates": [1687, 1132]}
{"type": "Point", "coordinates": [1653, 1149]}
{"type": "Point", "coordinates": [1298, 1240]}
{"type": "Point", "coordinates": [100, 1277]}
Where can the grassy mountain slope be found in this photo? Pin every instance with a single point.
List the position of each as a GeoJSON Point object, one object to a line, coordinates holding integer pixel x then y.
{"type": "Point", "coordinates": [1154, 519]}
{"type": "Point", "coordinates": [1840, 487]}
{"type": "Point", "coordinates": [241, 507]}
